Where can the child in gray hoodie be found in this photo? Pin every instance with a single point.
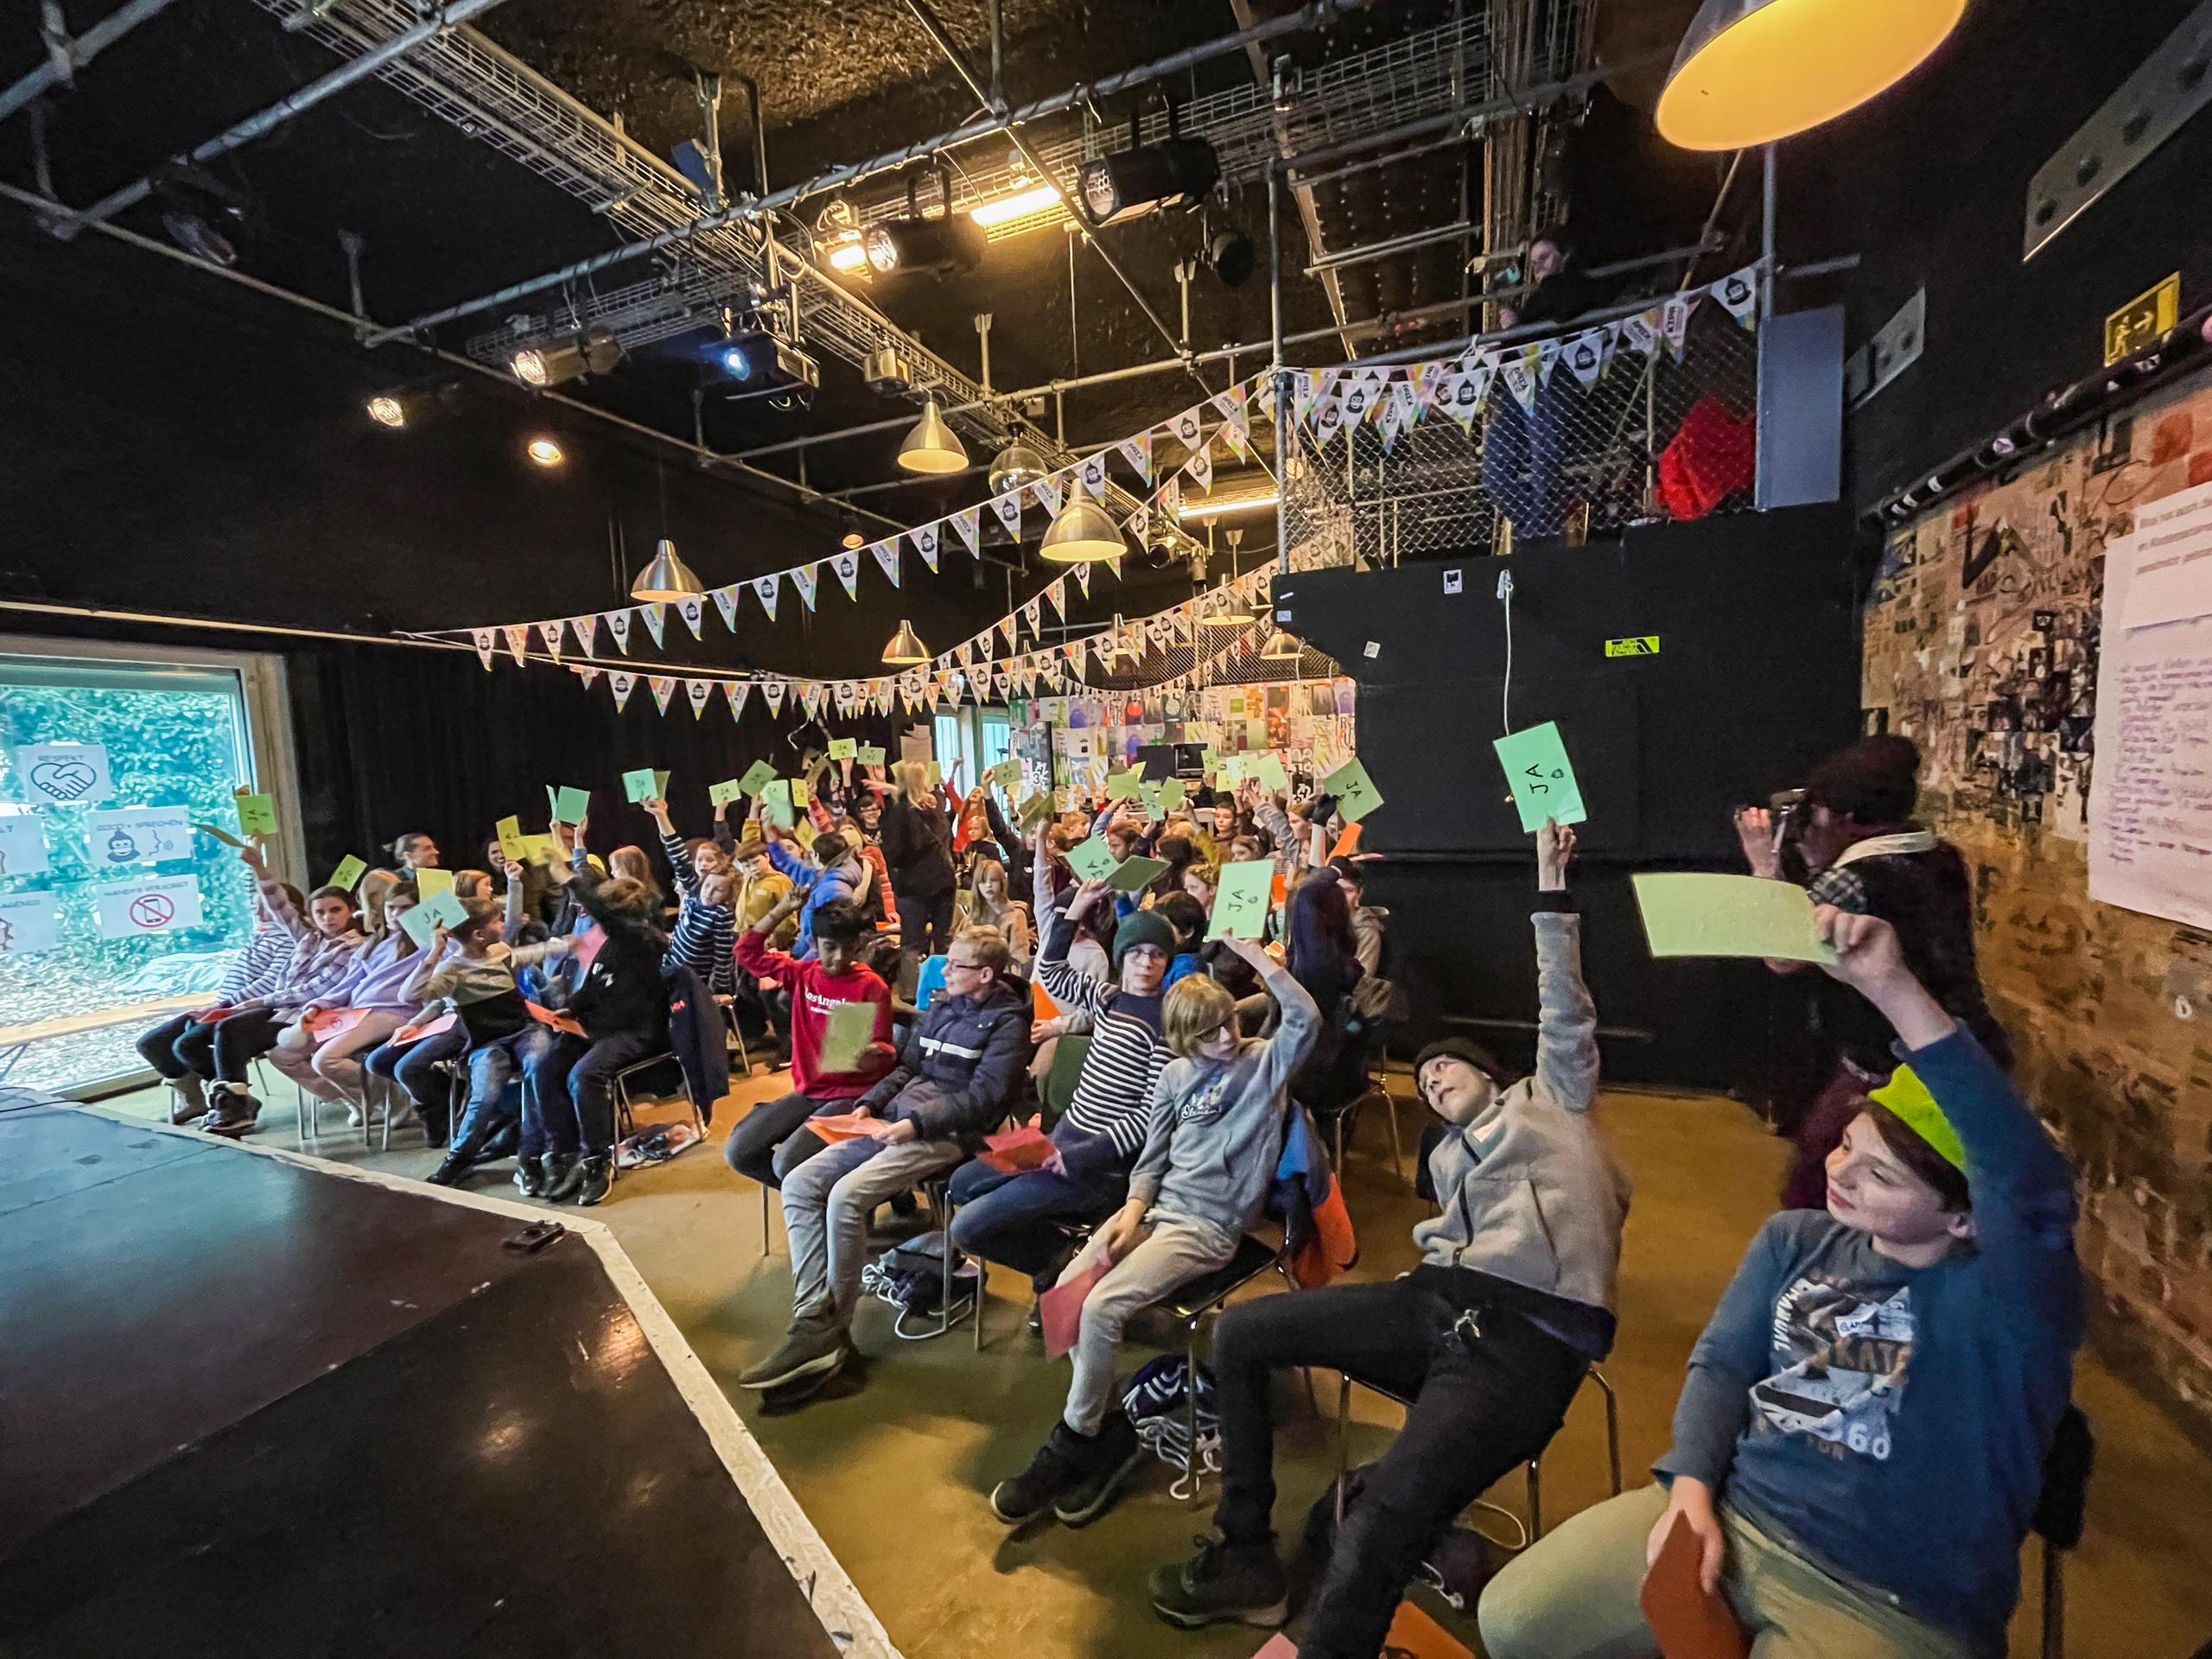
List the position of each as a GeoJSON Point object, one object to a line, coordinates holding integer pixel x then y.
{"type": "Point", "coordinates": [1202, 1180]}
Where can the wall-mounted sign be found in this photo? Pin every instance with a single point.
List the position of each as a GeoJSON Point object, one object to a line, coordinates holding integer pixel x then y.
{"type": "Point", "coordinates": [2142, 320]}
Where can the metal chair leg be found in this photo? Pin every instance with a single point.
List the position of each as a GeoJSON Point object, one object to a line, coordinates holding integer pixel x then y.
{"type": "Point", "coordinates": [1191, 1396]}
{"type": "Point", "coordinates": [1535, 1502]}
{"type": "Point", "coordinates": [767, 1239]}
{"type": "Point", "coordinates": [1397, 1153]}
{"type": "Point", "coordinates": [2054, 1600]}
{"type": "Point", "coordinates": [1343, 1439]}
{"type": "Point", "coordinates": [1613, 1427]}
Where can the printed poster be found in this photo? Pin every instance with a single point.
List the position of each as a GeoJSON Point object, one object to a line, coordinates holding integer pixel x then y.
{"type": "Point", "coordinates": [62, 774]}
{"type": "Point", "coordinates": [30, 923]}
{"type": "Point", "coordinates": [136, 835]}
{"type": "Point", "coordinates": [129, 910]}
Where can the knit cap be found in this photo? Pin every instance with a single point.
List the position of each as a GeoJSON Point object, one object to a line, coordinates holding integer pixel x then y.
{"type": "Point", "coordinates": [1142, 927]}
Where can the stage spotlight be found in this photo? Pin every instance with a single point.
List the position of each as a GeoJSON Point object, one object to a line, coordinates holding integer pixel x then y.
{"type": "Point", "coordinates": [754, 357]}
{"type": "Point", "coordinates": [950, 242]}
{"type": "Point", "coordinates": [1229, 255]}
{"type": "Point", "coordinates": [1177, 172]}
{"type": "Point", "coordinates": [596, 351]}
{"type": "Point", "coordinates": [388, 408]}
{"type": "Point", "coordinates": [850, 255]}
{"type": "Point", "coordinates": [1020, 205]}
{"type": "Point", "coordinates": [545, 452]}
{"type": "Point", "coordinates": [194, 203]}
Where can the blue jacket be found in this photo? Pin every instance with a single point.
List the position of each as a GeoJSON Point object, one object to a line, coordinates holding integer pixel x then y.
{"type": "Point", "coordinates": [822, 887]}
{"type": "Point", "coordinates": [960, 1066]}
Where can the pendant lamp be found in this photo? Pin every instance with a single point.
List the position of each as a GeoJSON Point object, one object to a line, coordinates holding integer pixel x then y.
{"type": "Point", "coordinates": [905, 649]}
{"type": "Point", "coordinates": [1750, 71]}
{"type": "Point", "coordinates": [1232, 614]}
{"type": "Point", "coordinates": [666, 578]}
{"type": "Point", "coordinates": [1282, 648]}
{"type": "Point", "coordinates": [931, 447]}
{"type": "Point", "coordinates": [1084, 533]}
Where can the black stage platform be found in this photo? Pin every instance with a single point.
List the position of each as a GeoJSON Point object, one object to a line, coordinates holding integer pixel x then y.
{"type": "Point", "coordinates": [251, 1406]}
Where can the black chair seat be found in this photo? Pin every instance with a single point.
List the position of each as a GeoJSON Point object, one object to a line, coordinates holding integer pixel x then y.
{"type": "Point", "coordinates": [1253, 1258]}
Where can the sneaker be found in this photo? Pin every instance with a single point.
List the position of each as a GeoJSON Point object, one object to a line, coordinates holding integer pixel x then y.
{"type": "Point", "coordinates": [563, 1175]}
{"type": "Point", "coordinates": [191, 1103]}
{"type": "Point", "coordinates": [1054, 1470]}
{"type": "Point", "coordinates": [808, 1351]}
{"type": "Point", "coordinates": [529, 1176]}
{"type": "Point", "coordinates": [1223, 1581]}
{"type": "Point", "coordinates": [231, 1111]}
{"type": "Point", "coordinates": [1106, 1463]}
{"type": "Point", "coordinates": [595, 1177]}
{"type": "Point", "coordinates": [451, 1169]}
{"type": "Point", "coordinates": [1036, 1320]}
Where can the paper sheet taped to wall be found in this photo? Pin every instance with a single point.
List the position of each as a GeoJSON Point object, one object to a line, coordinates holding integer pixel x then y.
{"type": "Point", "coordinates": [2169, 560]}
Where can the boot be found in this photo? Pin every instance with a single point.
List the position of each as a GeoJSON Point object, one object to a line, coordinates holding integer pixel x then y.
{"type": "Point", "coordinates": [594, 1176]}
{"type": "Point", "coordinates": [191, 1103]}
{"type": "Point", "coordinates": [1102, 1464]}
{"type": "Point", "coordinates": [231, 1111]}
{"type": "Point", "coordinates": [529, 1176]}
{"type": "Point", "coordinates": [503, 1141]}
{"type": "Point", "coordinates": [563, 1175]}
{"type": "Point", "coordinates": [1223, 1582]}
{"type": "Point", "coordinates": [461, 1157]}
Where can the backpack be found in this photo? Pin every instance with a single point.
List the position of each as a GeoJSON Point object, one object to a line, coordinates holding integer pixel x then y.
{"type": "Point", "coordinates": [911, 1277]}
{"type": "Point", "coordinates": [1156, 1401]}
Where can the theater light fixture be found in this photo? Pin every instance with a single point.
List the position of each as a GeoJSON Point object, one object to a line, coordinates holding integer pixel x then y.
{"type": "Point", "coordinates": [596, 351]}
{"type": "Point", "coordinates": [1020, 205]}
{"type": "Point", "coordinates": [388, 408]}
{"type": "Point", "coordinates": [1232, 257]}
{"type": "Point", "coordinates": [850, 255]}
{"type": "Point", "coordinates": [931, 447]}
{"type": "Point", "coordinates": [545, 452]}
{"type": "Point", "coordinates": [1016, 465]}
{"type": "Point", "coordinates": [1199, 512]}
{"type": "Point", "coordinates": [1750, 71]}
{"type": "Point", "coordinates": [667, 578]}
{"type": "Point", "coordinates": [913, 244]}
{"type": "Point", "coordinates": [905, 649]}
{"type": "Point", "coordinates": [1177, 172]}
{"type": "Point", "coordinates": [1082, 533]}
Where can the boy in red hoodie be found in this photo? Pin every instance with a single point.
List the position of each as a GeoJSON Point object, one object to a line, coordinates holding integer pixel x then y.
{"type": "Point", "coordinates": [765, 1144]}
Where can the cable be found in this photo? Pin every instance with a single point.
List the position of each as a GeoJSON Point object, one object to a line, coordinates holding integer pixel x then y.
{"type": "Point", "coordinates": [1506, 696]}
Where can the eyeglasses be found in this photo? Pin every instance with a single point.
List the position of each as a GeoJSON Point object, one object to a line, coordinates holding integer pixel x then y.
{"type": "Point", "coordinates": [952, 962]}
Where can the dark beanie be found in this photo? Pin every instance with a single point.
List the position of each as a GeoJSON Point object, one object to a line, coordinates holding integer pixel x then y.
{"type": "Point", "coordinates": [1463, 1048]}
{"type": "Point", "coordinates": [1142, 927]}
{"type": "Point", "coordinates": [1875, 780]}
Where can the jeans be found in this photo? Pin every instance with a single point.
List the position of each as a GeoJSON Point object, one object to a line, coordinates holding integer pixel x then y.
{"type": "Point", "coordinates": [413, 1067]}
{"type": "Point", "coordinates": [1173, 1252]}
{"type": "Point", "coordinates": [755, 1138]}
{"type": "Point", "coordinates": [827, 1203]}
{"type": "Point", "coordinates": [242, 1039]}
{"type": "Point", "coordinates": [1481, 1404]}
{"type": "Point", "coordinates": [1017, 1220]}
{"type": "Point", "coordinates": [1574, 1592]}
{"type": "Point", "coordinates": [491, 1067]}
{"type": "Point", "coordinates": [589, 1096]}
{"type": "Point", "coordinates": [179, 1047]}
{"type": "Point", "coordinates": [924, 925]}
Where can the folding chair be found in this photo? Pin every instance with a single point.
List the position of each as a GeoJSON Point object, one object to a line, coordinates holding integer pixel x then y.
{"type": "Point", "coordinates": [937, 1190]}
{"type": "Point", "coordinates": [1205, 1294]}
{"type": "Point", "coordinates": [625, 1120]}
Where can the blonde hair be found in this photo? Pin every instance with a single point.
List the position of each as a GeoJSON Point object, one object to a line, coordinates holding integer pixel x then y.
{"type": "Point", "coordinates": [990, 946]}
{"type": "Point", "coordinates": [912, 778]}
{"type": "Point", "coordinates": [1197, 1006]}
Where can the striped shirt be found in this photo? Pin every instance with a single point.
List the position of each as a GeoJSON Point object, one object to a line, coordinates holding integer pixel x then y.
{"type": "Point", "coordinates": [257, 967]}
{"type": "Point", "coordinates": [705, 935]}
{"type": "Point", "coordinates": [1113, 1093]}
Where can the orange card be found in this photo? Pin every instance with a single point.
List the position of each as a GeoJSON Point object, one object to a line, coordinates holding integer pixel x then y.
{"type": "Point", "coordinates": [840, 1125]}
{"type": "Point", "coordinates": [558, 1021]}
{"type": "Point", "coordinates": [1046, 1008]}
{"type": "Point", "coordinates": [408, 1034]}
{"type": "Point", "coordinates": [1026, 1148]}
{"type": "Point", "coordinates": [1061, 1308]}
{"type": "Point", "coordinates": [1347, 844]}
{"type": "Point", "coordinates": [1412, 1633]}
{"type": "Point", "coordinates": [1689, 1624]}
{"type": "Point", "coordinates": [334, 1022]}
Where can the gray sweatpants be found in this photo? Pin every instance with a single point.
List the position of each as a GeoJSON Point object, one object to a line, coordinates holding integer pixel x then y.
{"type": "Point", "coordinates": [1173, 1250]}
{"type": "Point", "coordinates": [828, 1202]}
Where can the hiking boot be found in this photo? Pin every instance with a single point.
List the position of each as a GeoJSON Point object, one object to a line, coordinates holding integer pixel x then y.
{"type": "Point", "coordinates": [1223, 1581]}
{"type": "Point", "coordinates": [563, 1175]}
{"type": "Point", "coordinates": [1054, 1472]}
{"type": "Point", "coordinates": [529, 1176]}
{"type": "Point", "coordinates": [810, 1351]}
{"type": "Point", "coordinates": [191, 1103]}
{"type": "Point", "coordinates": [1106, 1460]}
{"type": "Point", "coordinates": [231, 1111]}
{"type": "Point", "coordinates": [595, 1177]}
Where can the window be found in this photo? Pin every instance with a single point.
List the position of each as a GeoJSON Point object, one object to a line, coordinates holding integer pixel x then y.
{"type": "Point", "coordinates": [111, 899]}
{"type": "Point", "coordinates": [975, 739]}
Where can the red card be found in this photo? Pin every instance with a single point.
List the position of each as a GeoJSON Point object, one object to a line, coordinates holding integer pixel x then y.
{"type": "Point", "coordinates": [212, 1016]}
{"type": "Point", "coordinates": [1026, 1148]}
{"type": "Point", "coordinates": [334, 1022]}
{"type": "Point", "coordinates": [840, 1126]}
{"type": "Point", "coordinates": [1412, 1633]}
{"type": "Point", "coordinates": [1062, 1307]}
{"type": "Point", "coordinates": [409, 1033]}
{"type": "Point", "coordinates": [558, 1021]}
{"type": "Point", "coordinates": [1689, 1624]}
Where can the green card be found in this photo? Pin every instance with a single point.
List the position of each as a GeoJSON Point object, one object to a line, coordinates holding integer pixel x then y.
{"type": "Point", "coordinates": [349, 874]}
{"type": "Point", "coordinates": [849, 1030]}
{"type": "Point", "coordinates": [776, 801]}
{"type": "Point", "coordinates": [1232, 769]}
{"type": "Point", "coordinates": [1124, 786]}
{"type": "Point", "coordinates": [1208, 760]}
{"type": "Point", "coordinates": [800, 793]}
{"type": "Point", "coordinates": [758, 776]}
{"type": "Point", "coordinates": [1034, 810]}
{"type": "Point", "coordinates": [1091, 860]}
{"type": "Point", "coordinates": [1007, 773]}
{"type": "Point", "coordinates": [644, 785]}
{"type": "Point", "coordinates": [868, 754]}
{"type": "Point", "coordinates": [1135, 875]}
{"type": "Point", "coordinates": [1267, 768]}
{"type": "Point", "coordinates": [721, 795]}
{"type": "Point", "coordinates": [541, 849]}
{"type": "Point", "coordinates": [430, 883]}
{"type": "Point", "coordinates": [1171, 795]}
{"type": "Point", "coordinates": [419, 925]}
{"type": "Point", "coordinates": [1355, 791]}
{"type": "Point", "coordinates": [1696, 915]}
{"type": "Point", "coordinates": [571, 805]}
{"type": "Point", "coordinates": [933, 773]}
{"type": "Point", "coordinates": [1240, 907]}
{"type": "Point", "coordinates": [1151, 794]}
{"type": "Point", "coordinates": [844, 748]}
{"type": "Point", "coordinates": [1542, 776]}
{"type": "Point", "coordinates": [514, 845]}
{"type": "Point", "coordinates": [258, 814]}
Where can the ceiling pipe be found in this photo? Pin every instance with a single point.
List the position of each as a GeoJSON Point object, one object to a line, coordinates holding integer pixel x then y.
{"type": "Point", "coordinates": [1405, 244]}
{"type": "Point", "coordinates": [1315, 15]}
{"type": "Point", "coordinates": [66, 56]}
{"type": "Point", "coordinates": [254, 126]}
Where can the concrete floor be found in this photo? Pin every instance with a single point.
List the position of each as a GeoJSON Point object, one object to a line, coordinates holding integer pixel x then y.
{"type": "Point", "coordinates": [894, 1461]}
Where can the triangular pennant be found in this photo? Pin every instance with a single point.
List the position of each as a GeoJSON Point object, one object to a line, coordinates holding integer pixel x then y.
{"type": "Point", "coordinates": [698, 691]}
{"type": "Point", "coordinates": [846, 564]}
{"type": "Point", "coordinates": [1140, 523]}
{"type": "Point", "coordinates": [737, 691]}
{"type": "Point", "coordinates": [811, 698]}
{"type": "Point", "coordinates": [550, 633]}
{"type": "Point", "coordinates": [1355, 399]}
{"type": "Point", "coordinates": [1008, 508]}
{"type": "Point", "coordinates": [1675, 321]}
{"type": "Point", "coordinates": [1049, 493]}
{"type": "Point", "coordinates": [1392, 420]}
{"type": "Point", "coordinates": [1468, 390]}
{"type": "Point", "coordinates": [1092, 472]}
{"type": "Point", "coordinates": [967, 524]}
{"type": "Point", "coordinates": [618, 624]}
{"type": "Point", "coordinates": [1058, 593]}
{"type": "Point", "coordinates": [1185, 427]}
{"type": "Point", "coordinates": [487, 641]}
{"type": "Point", "coordinates": [656, 616]}
{"type": "Point", "coordinates": [1519, 374]}
{"type": "Point", "coordinates": [766, 587]}
{"type": "Point", "coordinates": [1641, 330]}
{"type": "Point", "coordinates": [1200, 467]}
{"type": "Point", "coordinates": [1005, 626]}
{"type": "Point", "coordinates": [924, 541]}
{"type": "Point", "coordinates": [518, 637]}
{"type": "Point", "coordinates": [805, 579]}
{"type": "Point", "coordinates": [772, 693]}
{"type": "Point", "coordinates": [887, 554]}
{"type": "Point", "coordinates": [1171, 498]}
{"type": "Point", "coordinates": [586, 629]}
{"type": "Point", "coordinates": [1114, 563]}
{"type": "Point", "coordinates": [663, 687]}
{"type": "Point", "coordinates": [621, 682]}
{"type": "Point", "coordinates": [726, 602]}
{"type": "Point", "coordinates": [1033, 613]}
{"type": "Point", "coordinates": [1328, 419]}
{"type": "Point", "coordinates": [1138, 452]}
{"type": "Point", "coordinates": [1586, 353]}
{"type": "Point", "coordinates": [1548, 351]}
{"type": "Point", "coordinates": [1305, 392]}
{"type": "Point", "coordinates": [1083, 579]}
{"type": "Point", "coordinates": [586, 673]}
{"type": "Point", "coordinates": [1239, 428]}
{"type": "Point", "coordinates": [1739, 295]}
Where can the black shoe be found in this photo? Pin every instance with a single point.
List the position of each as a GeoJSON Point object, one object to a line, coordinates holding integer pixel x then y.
{"type": "Point", "coordinates": [503, 1141]}
{"type": "Point", "coordinates": [457, 1164]}
{"type": "Point", "coordinates": [903, 1204]}
{"type": "Point", "coordinates": [529, 1176]}
{"type": "Point", "coordinates": [563, 1175]}
{"type": "Point", "coordinates": [594, 1176]}
{"type": "Point", "coordinates": [1106, 1461]}
{"type": "Point", "coordinates": [809, 1352]}
{"type": "Point", "coordinates": [1223, 1581]}
{"type": "Point", "coordinates": [1054, 1471]}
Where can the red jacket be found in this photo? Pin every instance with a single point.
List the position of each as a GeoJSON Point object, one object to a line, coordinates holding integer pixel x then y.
{"type": "Point", "coordinates": [813, 993]}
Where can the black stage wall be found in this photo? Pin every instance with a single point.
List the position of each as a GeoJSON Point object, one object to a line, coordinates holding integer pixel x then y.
{"type": "Point", "coordinates": [1755, 678]}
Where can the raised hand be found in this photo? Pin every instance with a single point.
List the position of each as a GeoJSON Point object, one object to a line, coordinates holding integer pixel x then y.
{"type": "Point", "coordinates": [1554, 851]}
{"type": "Point", "coordinates": [1755, 829]}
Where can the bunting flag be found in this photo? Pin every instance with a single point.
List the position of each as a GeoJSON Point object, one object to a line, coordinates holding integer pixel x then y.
{"type": "Point", "coordinates": [846, 564]}
{"type": "Point", "coordinates": [1140, 523]}
{"type": "Point", "coordinates": [620, 681]}
{"type": "Point", "coordinates": [698, 691]}
{"type": "Point", "coordinates": [1008, 508]}
{"type": "Point", "coordinates": [1114, 563]}
{"type": "Point", "coordinates": [585, 628]}
{"type": "Point", "coordinates": [805, 579]}
{"type": "Point", "coordinates": [1392, 420]}
{"type": "Point", "coordinates": [887, 554]}
{"type": "Point", "coordinates": [1548, 353]}
{"type": "Point", "coordinates": [1185, 427]}
{"type": "Point", "coordinates": [968, 523]}
{"type": "Point", "coordinates": [1083, 579]}
{"type": "Point", "coordinates": [1520, 373]}
{"type": "Point", "coordinates": [1238, 421]}
{"type": "Point", "coordinates": [656, 616]}
{"type": "Point", "coordinates": [737, 691]}
{"type": "Point", "coordinates": [1138, 452]}
{"type": "Point", "coordinates": [766, 587]}
{"type": "Point", "coordinates": [925, 540]}
{"type": "Point", "coordinates": [618, 624]}
{"type": "Point", "coordinates": [1171, 498]}
{"type": "Point", "coordinates": [1058, 593]}
{"type": "Point", "coordinates": [1739, 295]}
{"type": "Point", "coordinates": [1588, 353]}
{"type": "Point", "coordinates": [487, 641]}
{"type": "Point", "coordinates": [587, 674]}
{"type": "Point", "coordinates": [1466, 391]}
{"type": "Point", "coordinates": [1355, 400]}
{"type": "Point", "coordinates": [518, 635]}
{"type": "Point", "coordinates": [1092, 472]}
{"type": "Point", "coordinates": [726, 602]}
{"type": "Point", "coordinates": [1304, 389]}
{"type": "Point", "coordinates": [1005, 625]}
{"type": "Point", "coordinates": [694, 613]}
{"type": "Point", "coordinates": [1328, 419]}
{"type": "Point", "coordinates": [550, 633]}
{"type": "Point", "coordinates": [772, 693]}
{"type": "Point", "coordinates": [1674, 322]}
{"type": "Point", "coordinates": [1641, 330]}
{"type": "Point", "coordinates": [811, 698]}
{"type": "Point", "coordinates": [1049, 493]}
{"type": "Point", "coordinates": [1200, 467]}
{"type": "Point", "coordinates": [663, 687]}
{"type": "Point", "coordinates": [1033, 613]}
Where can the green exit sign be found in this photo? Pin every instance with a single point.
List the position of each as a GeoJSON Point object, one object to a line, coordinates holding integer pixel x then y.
{"type": "Point", "coordinates": [1639, 644]}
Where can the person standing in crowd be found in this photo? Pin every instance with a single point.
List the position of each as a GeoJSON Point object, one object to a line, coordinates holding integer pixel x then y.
{"type": "Point", "coordinates": [833, 872]}
{"type": "Point", "coordinates": [1521, 447]}
{"type": "Point", "coordinates": [1859, 1443]}
{"type": "Point", "coordinates": [1489, 1337]}
{"type": "Point", "coordinates": [917, 849]}
{"type": "Point", "coordinates": [1863, 853]}
{"type": "Point", "coordinates": [1368, 921]}
{"type": "Point", "coordinates": [414, 851]}
{"type": "Point", "coordinates": [994, 905]}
